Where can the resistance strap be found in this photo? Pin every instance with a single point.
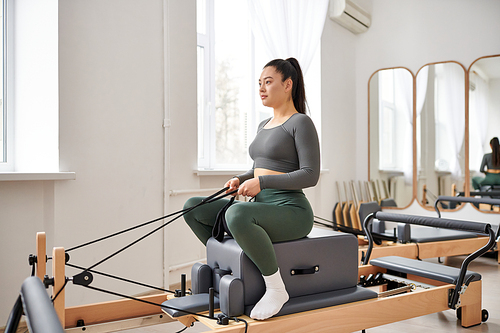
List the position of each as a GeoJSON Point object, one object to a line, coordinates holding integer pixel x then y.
{"type": "Point", "coordinates": [216, 196]}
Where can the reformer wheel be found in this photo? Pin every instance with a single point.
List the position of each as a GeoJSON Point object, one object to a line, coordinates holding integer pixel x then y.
{"type": "Point", "coordinates": [484, 314]}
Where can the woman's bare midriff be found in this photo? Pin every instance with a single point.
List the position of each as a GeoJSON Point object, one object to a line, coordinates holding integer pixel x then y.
{"type": "Point", "coordinates": [263, 172]}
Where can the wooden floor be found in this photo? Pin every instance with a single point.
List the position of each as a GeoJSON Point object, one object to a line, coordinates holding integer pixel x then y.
{"type": "Point", "coordinates": [439, 322]}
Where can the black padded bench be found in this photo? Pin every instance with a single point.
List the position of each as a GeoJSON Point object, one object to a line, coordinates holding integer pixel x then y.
{"type": "Point", "coordinates": [423, 269]}
{"type": "Point", "coordinates": [408, 233]}
{"type": "Point", "coordinates": [320, 270]}
{"type": "Point", "coordinates": [192, 304]}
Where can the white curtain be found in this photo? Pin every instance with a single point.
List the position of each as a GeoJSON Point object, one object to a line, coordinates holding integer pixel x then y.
{"type": "Point", "coordinates": [289, 28]}
{"type": "Point", "coordinates": [422, 82]}
{"type": "Point", "coordinates": [403, 91]}
{"type": "Point", "coordinates": [422, 78]}
{"type": "Point", "coordinates": [478, 120]}
{"type": "Point", "coordinates": [451, 117]}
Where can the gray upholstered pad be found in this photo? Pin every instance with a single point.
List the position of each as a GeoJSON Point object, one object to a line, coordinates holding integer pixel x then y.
{"type": "Point", "coordinates": [422, 268]}
{"type": "Point", "coordinates": [334, 253]}
{"type": "Point", "coordinates": [426, 234]}
{"type": "Point", "coordinates": [194, 303]}
{"type": "Point", "coordinates": [322, 300]}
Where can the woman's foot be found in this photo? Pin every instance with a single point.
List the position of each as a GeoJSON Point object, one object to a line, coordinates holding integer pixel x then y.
{"type": "Point", "coordinates": [273, 300]}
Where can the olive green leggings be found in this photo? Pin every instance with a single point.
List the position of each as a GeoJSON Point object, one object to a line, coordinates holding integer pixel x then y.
{"type": "Point", "coordinates": [490, 179]}
{"type": "Point", "coordinates": [274, 216]}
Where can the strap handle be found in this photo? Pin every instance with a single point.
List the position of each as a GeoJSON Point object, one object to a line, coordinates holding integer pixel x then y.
{"type": "Point", "coordinates": [304, 271]}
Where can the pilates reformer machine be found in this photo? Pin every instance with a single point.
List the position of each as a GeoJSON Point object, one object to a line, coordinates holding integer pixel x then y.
{"type": "Point", "coordinates": [404, 240]}
{"type": "Point", "coordinates": [326, 286]}
{"type": "Point", "coordinates": [322, 277]}
{"type": "Point", "coordinates": [492, 192]}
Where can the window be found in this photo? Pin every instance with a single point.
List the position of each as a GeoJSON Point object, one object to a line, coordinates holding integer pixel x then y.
{"type": "Point", "coordinates": [6, 123]}
{"type": "Point", "coordinates": [394, 121]}
{"type": "Point", "coordinates": [230, 61]}
{"type": "Point", "coordinates": [34, 105]}
{"type": "Point", "coordinates": [3, 131]}
{"type": "Point", "coordinates": [449, 106]}
{"type": "Point", "coordinates": [387, 121]}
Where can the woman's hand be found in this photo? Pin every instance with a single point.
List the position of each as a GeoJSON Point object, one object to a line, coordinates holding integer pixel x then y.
{"type": "Point", "coordinates": [233, 184]}
{"type": "Point", "coordinates": [250, 188]}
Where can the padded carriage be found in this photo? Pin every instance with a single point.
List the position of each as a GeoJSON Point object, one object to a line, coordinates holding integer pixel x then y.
{"type": "Point", "coordinates": [319, 270]}
{"type": "Point", "coordinates": [406, 233]}
{"type": "Point", "coordinates": [424, 269]}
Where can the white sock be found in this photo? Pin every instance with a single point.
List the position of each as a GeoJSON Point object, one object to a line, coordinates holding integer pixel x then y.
{"type": "Point", "coordinates": [273, 300]}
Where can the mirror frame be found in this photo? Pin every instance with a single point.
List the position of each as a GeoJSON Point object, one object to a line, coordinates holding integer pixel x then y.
{"type": "Point", "coordinates": [467, 129]}
{"type": "Point", "coordinates": [466, 136]}
{"type": "Point", "coordinates": [414, 146]}
{"type": "Point", "coordinates": [414, 152]}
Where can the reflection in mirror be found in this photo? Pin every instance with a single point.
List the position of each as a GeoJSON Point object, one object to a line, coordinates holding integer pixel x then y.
{"type": "Point", "coordinates": [440, 132]}
{"type": "Point", "coordinates": [391, 135]}
{"type": "Point", "coordinates": [484, 125]}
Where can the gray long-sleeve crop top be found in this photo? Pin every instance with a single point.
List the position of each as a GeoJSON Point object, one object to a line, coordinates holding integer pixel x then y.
{"type": "Point", "coordinates": [488, 163]}
{"type": "Point", "coordinates": [292, 148]}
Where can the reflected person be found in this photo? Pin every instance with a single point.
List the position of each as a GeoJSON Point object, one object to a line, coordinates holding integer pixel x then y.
{"type": "Point", "coordinates": [490, 166]}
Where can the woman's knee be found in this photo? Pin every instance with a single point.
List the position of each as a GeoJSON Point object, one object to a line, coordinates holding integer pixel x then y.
{"type": "Point", "coordinates": [237, 217]}
{"type": "Point", "coordinates": [191, 202]}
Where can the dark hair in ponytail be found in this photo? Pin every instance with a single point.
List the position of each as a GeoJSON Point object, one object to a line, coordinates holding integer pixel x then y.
{"type": "Point", "coordinates": [495, 151]}
{"type": "Point", "coordinates": [290, 68]}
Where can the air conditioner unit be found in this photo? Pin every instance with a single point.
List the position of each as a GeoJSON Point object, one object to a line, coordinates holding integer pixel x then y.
{"type": "Point", "coordinates": [349, 15]}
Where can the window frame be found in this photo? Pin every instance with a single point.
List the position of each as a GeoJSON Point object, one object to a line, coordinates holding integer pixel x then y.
{"type": "Point", "coordinates": [206, 125]}
{"type": "Point", "coordinates": [7, 160]}
{"type": "Point", "coordinates": [388, 105]}
{"type": "Point", "coordinates": [206, 131]}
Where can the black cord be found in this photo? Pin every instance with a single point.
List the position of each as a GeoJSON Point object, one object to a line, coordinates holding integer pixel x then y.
{"type": "Point", "coordinates": [119, 278]}
{"type": "Point", "coordinates": [185, 328]}
{"type": "Point", "coordinates": [124, 231]}
{"type": "Point", "coordinates": [236, 319]}
{"type": "Point", "coordinates": [206, 200]}
{"type": "Point", "coordinates": [144, 301]}
{"type": "Point", "coordinates": [340, 227]}
{"type": "Point", "coordinates": [209, 199]}
{"type": "Point", "coordinates": [62, 288]}
{"type": "Point", "coordinates": [323, 224]}
{"type": "Point", "coordinates": [134, 242]}
{"type": "Point", "coordinates": [326, 220]}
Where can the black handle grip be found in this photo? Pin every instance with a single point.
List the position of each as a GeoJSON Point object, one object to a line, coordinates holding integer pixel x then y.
{"type": "Point", "coordinates": [304, 271]}
{"type": "Point", "coordinates": [490, 201]}
{"type": "Point", "coordinates": [470, 226]}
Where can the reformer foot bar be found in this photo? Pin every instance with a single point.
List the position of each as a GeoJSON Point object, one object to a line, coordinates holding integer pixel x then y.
{"type": "Point", "coordinates": [323, 297]}
{"type": "Point", "coordinates": [422, 243]}
{"type": "Point", "coordinates": [478, 201]}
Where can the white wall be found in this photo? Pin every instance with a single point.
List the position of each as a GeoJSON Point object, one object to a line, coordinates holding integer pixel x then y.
{"type": "Point", "coordinates": [412, 34]}
{"type": "Point", "coordinates": [111, 135]}
{"type": "Point", "coordinates": [113, 58]}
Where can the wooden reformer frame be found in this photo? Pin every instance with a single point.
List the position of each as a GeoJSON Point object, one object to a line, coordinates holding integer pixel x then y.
{"type": "Point", "coordinates": [377, 311]}
{"type": "Point", "coordinates": [91, 314]}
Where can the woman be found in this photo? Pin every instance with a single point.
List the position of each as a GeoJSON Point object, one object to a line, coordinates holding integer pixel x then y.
{"type": "Point", "coordinates": [286, 160]}
{"type": "Point", "coordinates": [491, 162]}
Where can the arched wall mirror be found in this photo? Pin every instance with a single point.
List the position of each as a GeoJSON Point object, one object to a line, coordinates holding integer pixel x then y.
{"type": "Point", "coordinates": [484, 122]}
{"type": "Point", "coordinates": [455, 114]}
{"type": "Point", "coordinates": [391, 135]}
{"type": "Point", "coordinates": [440, 131]}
